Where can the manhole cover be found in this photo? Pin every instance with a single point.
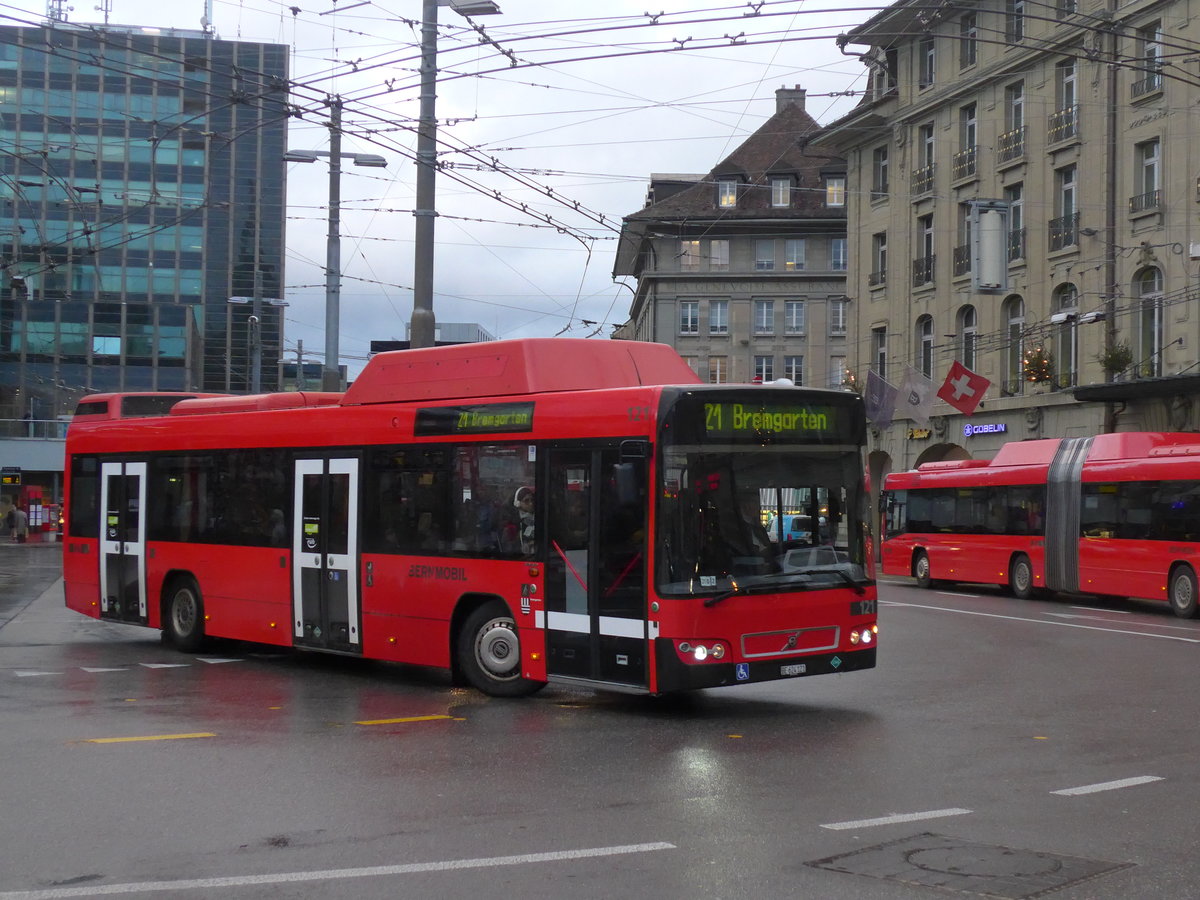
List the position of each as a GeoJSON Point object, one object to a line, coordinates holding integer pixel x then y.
{"type": "Point", "coordinates": [953, 864]}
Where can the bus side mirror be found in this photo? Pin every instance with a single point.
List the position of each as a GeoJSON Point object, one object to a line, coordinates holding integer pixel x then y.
{"type": "Point", "coordinates": [628, 478]}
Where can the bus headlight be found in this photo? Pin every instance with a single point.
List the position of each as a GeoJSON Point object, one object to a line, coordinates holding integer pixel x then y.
{"type": "Point", "coordinates": [700, 652]}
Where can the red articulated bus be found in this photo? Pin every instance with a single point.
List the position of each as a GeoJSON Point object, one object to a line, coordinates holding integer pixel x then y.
{"type": "Point", "coordinates": [520, 512]}
{"type": "Point", "coordinates": [1113, 515]}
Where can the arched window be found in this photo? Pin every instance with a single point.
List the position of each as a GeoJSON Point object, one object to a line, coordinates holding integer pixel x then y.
{"type": "Point", "coordinates": [925, 345]}
{"type": "Point", "coordinates": [968, 334]}
{"type": "Point", "coordinates": [1014, 351]}
{"type": "Point", "coordinates": [1147, 354]}
{"type": "Point", "coordinates": [1066, 336]}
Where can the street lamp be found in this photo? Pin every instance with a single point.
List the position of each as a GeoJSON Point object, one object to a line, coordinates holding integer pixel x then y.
{"type": "Point", "coordinates": [421, 331]}
{"type": "Point", "coordinates": [255, 323]}
{"type": "Point", "coordinates": [331, 379]}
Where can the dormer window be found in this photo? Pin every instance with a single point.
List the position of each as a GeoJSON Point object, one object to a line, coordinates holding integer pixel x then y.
{"type": "Point", "coordinates": [781, 192]}
{"type": "Point", "coordinates": [835, 190]}
{"type": "Point", "coordinates": [727, 191]}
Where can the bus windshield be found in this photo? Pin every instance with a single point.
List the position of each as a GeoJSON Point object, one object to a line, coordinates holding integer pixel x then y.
{"type": "Point", "coordinates": [780, 514]}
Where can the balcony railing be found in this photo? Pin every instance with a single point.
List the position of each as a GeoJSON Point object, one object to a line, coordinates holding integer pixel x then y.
{"type": "Point", "coordinates": [1148, 85]}
{"type": "Point", "coordinates": [922, 179]}
{"type": "Point", "coordinates": [1012, 388]}
{"type": "Point", "coordinates": [1010, 145]}
{"type": "Point", "coordinates": [1016, 244]}
{"type": "Point", "coordinates": [922, 270]}
{"type": "Point", "coordinates": [1064, 231]}
{"type": "Point", "coordinates": [962, 259]}
{"type": "Point", "coordinates": [37, 429]}
{"type": "Point", "coordinates": [1145, 202]}
{"type": "Point", "coordinates": [963, 164]}
{"type": "Point", "coordinates": [1063, 125]}
{"type": "Point", "coordinates": [1063, 380]}
{"type": "Point", "coordinates": [875, 279]}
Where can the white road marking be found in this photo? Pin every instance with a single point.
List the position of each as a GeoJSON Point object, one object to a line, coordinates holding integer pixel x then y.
{"type": "Point", "coordinates": [894, 819]}
{"type": "Point", "coordinates": [1141, 624]}
{"type": "Point", "coordinates": [27, 674]}
{"type": "Point", "coordinates": [166, 665]}
{"type": "Point", "coordinates": [191, 884]}
{"type": "Point", "coordinates": [972, 612]}
{"type": "Point", "coordinates": [101, 669]}
{"type": "Point", "coordinates": [213, 660]}
{"type": "Point", "coordinates": [1107, 786]}
{"type": "Point", "coordinates": [1121, 612]}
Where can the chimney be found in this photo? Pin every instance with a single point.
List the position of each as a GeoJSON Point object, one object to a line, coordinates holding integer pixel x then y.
{"type": "Point", "coordinates": [789, 97]}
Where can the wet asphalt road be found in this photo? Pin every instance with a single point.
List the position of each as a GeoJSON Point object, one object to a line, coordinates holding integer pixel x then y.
{"type": "Point", "coordinates": [1001, 749]}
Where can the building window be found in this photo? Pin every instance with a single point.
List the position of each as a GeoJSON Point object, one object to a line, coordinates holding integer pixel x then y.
{"type": "Point", "coordinates": [718, 370]}
{"type": "Point", "coordinates": [839, 257]}
{"type": "Point", "coordinates": [1147, 287]}
{"type": "Point", "coordinates": [879, 172]}
{"type": "Point", "coordinates": [793, 369]}
{"type": "Point", "coordinates": [968, 334]}
{"type": "Point", "coordinates": [718, 317]}
{"type": "Point", "coordinates": [781, 192]}
{"type": "Point", "coordinates": [764, 369]}
{"type": "Point", "coordinates": [764, 316]}
{"type": "Point", "coordinates": [727, 191]}
{"type": "Point", "coordinates": [689, 256]}
{"type": "Point", "coordinates": [968, 129]}
{"type": "Point", "coordinates": [923, 262]}
{"type": "Point", "coordinates": [925, 346]}
{"type": "Point", "coordinates": [879, 351]}
{"type": "Point", "coordinates": [718, 256]}
{"type": "Point", "coordinates": [1066, 336]}
{"type": "Point", "coordinates": [835, 190]}
{"type": "Point", "coordinates": [927, 61]}
{"type": "Point", "coordinates": [794, 252]}
{"type": "Point", "coordinates": [1014, 351]}
{"type": "Point", "coordinates": [1014, 196]}
{"type": "Point", "coordinates": [837, 317]}
{"type": "Point", "coordinates": [1064, 228]}
{"type": "Point", "coordinates": [764, 255]}
{"type": "Point", "coordinates": [689, 317]}
{"type": "Point", "coordinates": [962, 250]}
{"type": "Point", "coordinates": [793, 314]}
{"type": "Point", "coordinates": [1064, 122]}
{"type": "Point", "coordinates": [1011, 143]}
{"type": "Point", "coordinates": [878, 274]}
{"type": "Point", "coordinates": [1149, 50]}
{"type": "Point", "coordinates": [837, 371]}
{"type": "Point", "coordinates": [1147, 171]}
{"type": "Point", "coordinates": [922, 177]}
{"type": "Point", "coordinates": [1014, 21]}
{"type": "Point", "coordinates": [968, 32]}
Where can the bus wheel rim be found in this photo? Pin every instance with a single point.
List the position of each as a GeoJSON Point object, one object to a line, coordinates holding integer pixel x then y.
{"type": "Point", "coordinates": [497, 649]}
{"type": "Point", "coordinates": [1182, 595]}
{"type": "Point", "coordinates": [184, 612]}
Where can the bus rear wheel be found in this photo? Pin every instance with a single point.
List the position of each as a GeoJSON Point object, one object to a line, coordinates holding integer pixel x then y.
{"type": "Point", "coordinates": [489, 653]}
{"type": "Point", "coordinates": [921, 569]}
{"type": "Point", "coordinates": [1020, 577]}
{"type": "Point", "coordinates": [183, 620]}
{"type": "Point", "coordinates": [1182, 592]}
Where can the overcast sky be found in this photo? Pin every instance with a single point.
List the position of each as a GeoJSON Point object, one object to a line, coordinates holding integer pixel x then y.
{"type": "Point", "coordinates": [575, 110]}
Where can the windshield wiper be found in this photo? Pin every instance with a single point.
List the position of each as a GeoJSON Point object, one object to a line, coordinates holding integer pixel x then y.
{"type": "Point", "coordinates": [841, 573]}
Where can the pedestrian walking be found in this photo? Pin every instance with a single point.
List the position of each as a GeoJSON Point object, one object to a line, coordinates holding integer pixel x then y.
{"type": "Point", "coordinates": [19, 530]}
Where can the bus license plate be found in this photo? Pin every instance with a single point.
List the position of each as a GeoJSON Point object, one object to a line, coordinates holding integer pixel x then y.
{"type": "Point", "coordinates": [794, 669]}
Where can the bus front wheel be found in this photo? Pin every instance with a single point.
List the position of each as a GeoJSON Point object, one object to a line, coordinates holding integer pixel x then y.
{"type": "Point", "coordinates": [489, 653]}
{"type": "Point", "coordinates": [1182, 592]}
{"type": "Point", "coordinates": [184, 618]}
{"type": "Point", "coordinates": [1020, 578]}
{"type": "Point", "coordinates": [921, 569]}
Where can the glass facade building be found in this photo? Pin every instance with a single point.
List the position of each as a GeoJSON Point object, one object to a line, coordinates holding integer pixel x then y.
{"type": "Point", "coordinates": [142, 185]}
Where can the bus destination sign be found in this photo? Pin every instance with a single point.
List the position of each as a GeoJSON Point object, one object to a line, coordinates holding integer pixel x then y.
{"type": "Point", "coordinates": [778, 420]}
{"type": "Point", "coordinates": [490, 418]}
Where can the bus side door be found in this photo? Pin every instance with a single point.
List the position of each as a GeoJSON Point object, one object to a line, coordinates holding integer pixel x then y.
{"type": "Point", "coordinates": [595, 585]}
{"type": "Point", "coordinates": [123, 541]}
{"type": "Point", "coordinates": [325, 591]}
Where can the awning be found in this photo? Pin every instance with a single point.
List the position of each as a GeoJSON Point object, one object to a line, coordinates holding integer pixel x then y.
{"type": "Point", "coordinates": [1166, 386]}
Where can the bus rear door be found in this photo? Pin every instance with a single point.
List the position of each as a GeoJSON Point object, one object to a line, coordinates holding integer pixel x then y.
{"type": "Point", "coordinates": [325, 601]}
{"type": "Point", "coordinates": [595, 586]}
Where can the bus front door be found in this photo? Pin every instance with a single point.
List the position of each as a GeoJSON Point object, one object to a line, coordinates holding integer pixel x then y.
{"type": "Point", "coordinates": [595, 584]}
{"type": "Point", "coordinates": [325, 601]}
{"type": "Point", "coordinates": [123, 542]}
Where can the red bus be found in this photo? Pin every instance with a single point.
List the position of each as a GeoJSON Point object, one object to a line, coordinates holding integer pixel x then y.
{"type": "Point", "coordinates": [519, 512]}
{"type": "Point", "coordinates": [1113, 515]}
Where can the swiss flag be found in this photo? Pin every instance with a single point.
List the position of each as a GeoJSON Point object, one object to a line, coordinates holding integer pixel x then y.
{"type": "Point", "coordinates": [963, 389]}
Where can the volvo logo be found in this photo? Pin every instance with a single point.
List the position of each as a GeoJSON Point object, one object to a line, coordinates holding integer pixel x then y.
{"type": "Point", "coordinates": [793, 638]}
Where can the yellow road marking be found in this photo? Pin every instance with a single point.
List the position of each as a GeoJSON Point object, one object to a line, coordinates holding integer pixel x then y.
{"type": "Point", "coordinates": [150, 737]}
{"type": "Point", "coordinates": [400, 721]}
